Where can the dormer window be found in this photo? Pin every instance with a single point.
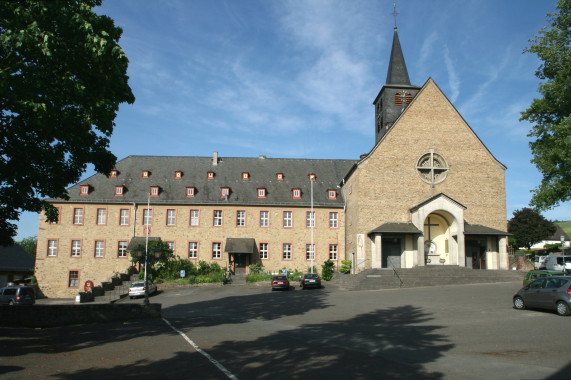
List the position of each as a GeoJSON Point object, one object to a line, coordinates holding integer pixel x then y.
{"type": "Point", "coordinates": [190, 192]}
{"type": "Point", "coordinates": [296, 193]}
{"type": "Point", "coordinates": [280, 176]}
{"type": "Point", "coordinates": [178, 175]}
{"type": "Point", "coordinates": [312, 177]}
{"type": "Point", "coordinates": [113, 174]}
{"type": "Point", "coordinates": [245, 176]}
{"type": "Point", "coordinates": [146, 174]}
{"type": "Point", "coordinates": [119, 190]}
{"type": "Point", "coordinates": [210, 175]}
{"type": "Point", "coordinates": [84, 190]}
{"type": "Point", "coordinates": [224, 192]}
{"type": "Point", "coordinates": [331, 194]}
{"type": "Point", "coordinates": [261, 193]}
{"type": "Point", "coordinates": [154, 191]}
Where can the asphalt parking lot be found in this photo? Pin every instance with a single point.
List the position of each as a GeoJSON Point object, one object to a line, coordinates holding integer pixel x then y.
{"type": "Point", "coordinates": [250, 332]}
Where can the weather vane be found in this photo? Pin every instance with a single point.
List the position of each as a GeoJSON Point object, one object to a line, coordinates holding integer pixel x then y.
{"type": "Point", "coordinates": [395, 13]}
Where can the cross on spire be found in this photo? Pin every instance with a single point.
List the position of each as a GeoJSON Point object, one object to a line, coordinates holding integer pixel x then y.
{"type": "Point", "coordinates": [395, 13]}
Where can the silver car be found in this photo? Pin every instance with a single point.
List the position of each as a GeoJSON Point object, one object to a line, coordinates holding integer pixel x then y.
{"type": "Point", "coordinates": [553, 293]}
{"type": "Point", "coordinates": [137, 289]}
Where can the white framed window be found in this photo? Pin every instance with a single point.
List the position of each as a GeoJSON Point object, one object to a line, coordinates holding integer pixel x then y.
{"type": "Point", "coordinates": [216, 251]}
{"type": "Point", "coordinates": [84, 190]}
{"type": "Point", "coordinates": [217, 218]}
{"type": "Point", "coordinates": [113, 174]}
{"type": "Point", "coordinates": [310, 219]}
{"type": "Point", "coordinates": [286, 251]}
{"type": "Point", "coordinates": [171, 217]}
{"type": "Point", "coordinates": [170, 244]}
{"type": "Point", "coordinates": [193, 250]}
{"type": "Point", "coordinates": [333, 250]}
{"type": "Point", "coordinates": [147, 216]}
{"type": "Point", "coordinates": [194, 217]}
{"type": "Point", "coordinates": [263, 251]}
{"type": "Point", "coordinates": [333, 219]}
{"type": "Point", "coordinates": [261, 193]}
{"type": "Point", "coordinates": [52, 248]}
{"type": "Point", "coordinates": [310, 251]}
{"type": "Point", "coordinates": [287, 219]}
{"type": "Point", "coordinates": [101, 216]}
{"type": "Point", "coordinates": [99, 248]}
{"type": "Point", "coordinates": [124, 217]}
{"type": "Point", "coordinates": [118, 191]}
{"type": "Point", "coordinates": [190, 192]}
{"type": "Point", "coordinates": [331, 194]}
{"type": "Point", "coordinates": [224, 192]}
{"type": "Point", "coordinates": [122, 249]}
{"type": "Point", "coordinates": [154, 191]}
{"type": "Point", "coordinates": [296, 193]}
{"type": "Point", "coordinates": [264, 218]}
{"type": "Point", "coordinates": [75, 248]}
{"type": "Point", "coordinates": [240, 218]}
{"type": "Point", "coordinates": [77, 216]}
{"type": "Point", "coordinates": [73, 281]}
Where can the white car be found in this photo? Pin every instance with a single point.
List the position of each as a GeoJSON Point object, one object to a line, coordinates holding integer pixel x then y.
{"type": "Point", "coordinates": [137, 289]}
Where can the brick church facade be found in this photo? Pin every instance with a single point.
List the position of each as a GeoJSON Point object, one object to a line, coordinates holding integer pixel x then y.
{"type": "Point", "coordinates": [428, 193]}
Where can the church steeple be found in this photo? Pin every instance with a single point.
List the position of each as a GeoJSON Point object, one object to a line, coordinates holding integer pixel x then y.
{"type": "Point", "coordinates": [397, 92]}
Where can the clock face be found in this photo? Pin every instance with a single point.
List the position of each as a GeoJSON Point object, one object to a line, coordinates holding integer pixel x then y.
{"type": "Point", "coordinates": [429, 247]}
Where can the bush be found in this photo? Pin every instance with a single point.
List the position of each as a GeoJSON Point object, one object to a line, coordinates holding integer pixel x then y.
{"type": "Point", "coordinates": [345, 266]}
{"type": "Point", "coordinates": [258, 277]}
{"type": "Point", "coordinates": [327, 270]}
{"type": "Point", "coordinates": [209, 278]}
{"type": "Point", "coordinates": [255, 268]}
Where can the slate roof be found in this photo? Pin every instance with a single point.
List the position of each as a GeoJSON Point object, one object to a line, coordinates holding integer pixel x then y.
{"type": "Point", "coordinates": [227, 173]}
{"type": "Point", "coordinates": [15, 259]}
{"type": "Point", "coordinates": [397, 72]}
{"type": "Point", "coordinates": [396, 228]}
{"type": "Point", "coordinates": [478, 229]}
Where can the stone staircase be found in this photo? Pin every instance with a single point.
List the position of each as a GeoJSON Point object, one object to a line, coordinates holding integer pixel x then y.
{"type": "Point", "coordinates": [371, 279]}
{"type": "Point", "coordinates": [115, 289]}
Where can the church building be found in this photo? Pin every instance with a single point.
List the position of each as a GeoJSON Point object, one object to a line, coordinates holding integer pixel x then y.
{"type": "Point", "coordinates": [429, 192]}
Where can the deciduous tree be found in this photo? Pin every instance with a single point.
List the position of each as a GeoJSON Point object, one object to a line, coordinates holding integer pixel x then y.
{"type": "Point", "coordinates": [551, 115]}
{"type": "Point", "coordinates": [528, 227]}
{"type": "Point", "coordinates": [62, 78]}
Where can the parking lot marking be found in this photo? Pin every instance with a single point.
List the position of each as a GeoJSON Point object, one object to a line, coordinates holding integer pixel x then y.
{"type": "Point", "coordinates": [204, 353]}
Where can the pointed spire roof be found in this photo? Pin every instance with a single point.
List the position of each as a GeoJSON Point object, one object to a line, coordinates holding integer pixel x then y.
{"type": "Point", "coordinates": [397, 73]}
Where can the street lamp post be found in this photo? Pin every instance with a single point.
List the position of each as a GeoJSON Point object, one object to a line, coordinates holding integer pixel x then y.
{"type": "Point", "coordinates": [563, 250]}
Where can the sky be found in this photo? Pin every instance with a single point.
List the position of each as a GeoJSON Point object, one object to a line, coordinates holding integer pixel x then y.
{"type": "Point", "coordinates": [296, 79]}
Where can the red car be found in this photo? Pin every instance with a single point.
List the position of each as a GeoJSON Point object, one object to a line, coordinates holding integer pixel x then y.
{"type": "Point", "coordinates": [280, 282]}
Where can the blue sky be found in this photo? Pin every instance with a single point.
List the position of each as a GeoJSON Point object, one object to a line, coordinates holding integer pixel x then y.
{"type": "Point", "coordinates": [296, 79]}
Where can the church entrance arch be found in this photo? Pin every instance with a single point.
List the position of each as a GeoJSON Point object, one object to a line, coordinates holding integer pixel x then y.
{"type": "Point", "coordinates": [392, 252]}
{"type": "Point", "coordinates": [436, 240]}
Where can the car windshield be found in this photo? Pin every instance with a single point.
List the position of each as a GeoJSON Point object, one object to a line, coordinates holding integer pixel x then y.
{"type": "Point", "coordinates": [314, 276]}
{"type": "Point", "coordinates": [137, 284]}
{"type": "Point", "coordinates": [280, 278]}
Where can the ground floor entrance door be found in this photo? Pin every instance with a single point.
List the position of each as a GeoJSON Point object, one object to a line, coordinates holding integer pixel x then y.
{"type": "Point", "coordinates": [240, 263]}
{"type": "Point", "coordinates": [391, 253]}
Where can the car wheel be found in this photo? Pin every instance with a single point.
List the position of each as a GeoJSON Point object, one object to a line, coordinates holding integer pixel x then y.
{"type": "Point", "coordinates": [518, 303]}
{"type": "Point", "coordinates": [562, 308]}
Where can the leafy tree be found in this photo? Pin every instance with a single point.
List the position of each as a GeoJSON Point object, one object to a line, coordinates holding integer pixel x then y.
{"type": "Point", "coordinates": [529, 227]}
{"type": "Point", "coordinates": [327, 270]}
{"type": "Point", "coordinates": [155, 248]}
{"type": "Point", "coordinates": [62, 78]}
{"type": "Point", "coordinates": [552, 113]}
{"type": "Point", "coordinates": [29, 244]}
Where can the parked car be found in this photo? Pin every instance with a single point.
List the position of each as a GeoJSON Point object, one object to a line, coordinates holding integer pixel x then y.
{"type": "Point", "coordinates": [535, 274]}
{"type": "Point", "coordinates": [555, 262]}
{"type": "Point", "coordinates": [17, 295]}
{"type": "Point", "coordinates": [539, 262]}
{"type": "Point", "coordinates": [310, 280]}
{"type": "Point", "coordinates": [137, 289]}
{"type": "Point", "coordinates": [553, 293]}
{"type": "Point", "coordinates": [280, 282]}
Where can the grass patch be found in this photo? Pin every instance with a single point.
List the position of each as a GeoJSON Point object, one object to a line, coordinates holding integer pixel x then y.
{"type": "Point", "coordinates": [565, 226]}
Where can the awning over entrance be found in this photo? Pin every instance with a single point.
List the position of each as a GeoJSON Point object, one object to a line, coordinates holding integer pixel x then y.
{"type": "Point", "coordinates": [240, 245]}
{"type": "Point", "coordinates": [478, 229]}
{"type": "Point", "coordinates": [396, 228]}
{"type": "Point", "coordinates": [139, 240]}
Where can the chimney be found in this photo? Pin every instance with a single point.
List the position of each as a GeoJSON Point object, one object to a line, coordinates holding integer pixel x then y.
{"type": "Point", "coordinates": [215, 158]}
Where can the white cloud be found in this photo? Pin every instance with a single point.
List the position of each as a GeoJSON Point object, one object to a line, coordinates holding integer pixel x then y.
{"type": "Point", "coordinates": [453, 80]}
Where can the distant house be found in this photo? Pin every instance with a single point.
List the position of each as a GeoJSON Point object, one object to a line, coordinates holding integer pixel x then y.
{"type": "Point", "coordinates": [553, 239]}
{"type": "Point", "coordinates": [15, 264]}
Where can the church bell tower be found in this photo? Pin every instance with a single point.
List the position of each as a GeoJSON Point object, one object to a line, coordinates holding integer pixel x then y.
{"type": "Point", "coordinates": [396, 94]}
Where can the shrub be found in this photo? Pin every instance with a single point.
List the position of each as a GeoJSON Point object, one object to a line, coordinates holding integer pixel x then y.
{"type": "Point", "coordinates": [255, 268]}
{"type": "Point", "coordinates": [345, 266]}
{"type": "Point", "coordinates": [258, 277]}
{"type": "Point", "coordinates": [327, 270]}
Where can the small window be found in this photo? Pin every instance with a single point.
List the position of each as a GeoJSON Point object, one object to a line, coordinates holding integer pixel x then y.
{"type": "Point", "coordinates": [190, 191]}
{"type": "Point", "coordinates": [171, 217]}
{"type": "Point", "coordinates": [333, 220]}
{"type": "Point", "coordinates": [263, 251]}
{"type": "Point", "coordinates": [146, 173]}
{"type": "Point", "coordinates": [210, 175]}
{"type": "Point", "coordinates": [264, 218]}
{"type": "Point", "coordinates": [296, 193]}
{"type": "Point", "coordinates": [333, 252]}
{"type": "Point", "coordinates": [75, 248]}
{"type": "Point", "coordinates": [240, 218]}
{"type": "Point", "coordinates": [287, 219]}
{"type": "Point", "coordinates": [77, 216]}
{"type": "Point", "coordinates": [331, 194]}
{"type": "Point", "coordinates": [286, 251]}
{"type": "Point", "coordinates": [52, 248]}
{"type": "Point", "coordinates": [101, 216]}
{"type": "Point", "coordinates": [113, 174]}
{"type": "Point", "coordinates": [261, 193]}
{"type": "Point", "coordinates": [118, 191]}
{"type": "Point", "coordinates": [99, 248]}
{"type": "Point", "coordinates": [217, 218]}
{"type": "Point", "coordinates": [245, 175]}
{"type": "Point", "coordinates": [193, 250]}
{"type": "Point", "coordinates": [216, 251]}
{"type": "Point", "coordinates": [310, 219]}
{"type": "Point", "coordinates": [224, 192]}
{"type": "Point", "coordinates": [312, 177]}
{"type": "Point", "coordinates": [194, 218]}
{"type": "Point", "coordinates": [84, 190]}
{"type": "Point", "coordinates": [310, 251]}
{"type": "Point", "coordinates": [73, 279]}
{"type": "Point", "coordinates": [154, 191]}
{"type": "Point", "coordinates": [280, 176]}
{"type": "Point", "coordinates": [178, 175]}
{"type": "Point", "coordinates": [122, 249]}
{"type": "Point", "coordinates": [124, 217]}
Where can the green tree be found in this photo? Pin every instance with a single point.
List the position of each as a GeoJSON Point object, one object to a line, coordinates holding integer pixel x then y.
{"type": "Point", "coordinates": [528, 227]}
{"type": "Point", "coordinates": [29, 244]}
{"type": "Point", "coordinates": [159, 253]}
{"type": "Point", "coordinates": [551, 115]}
{"type": "Point", "coordinates": [62, 78]}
